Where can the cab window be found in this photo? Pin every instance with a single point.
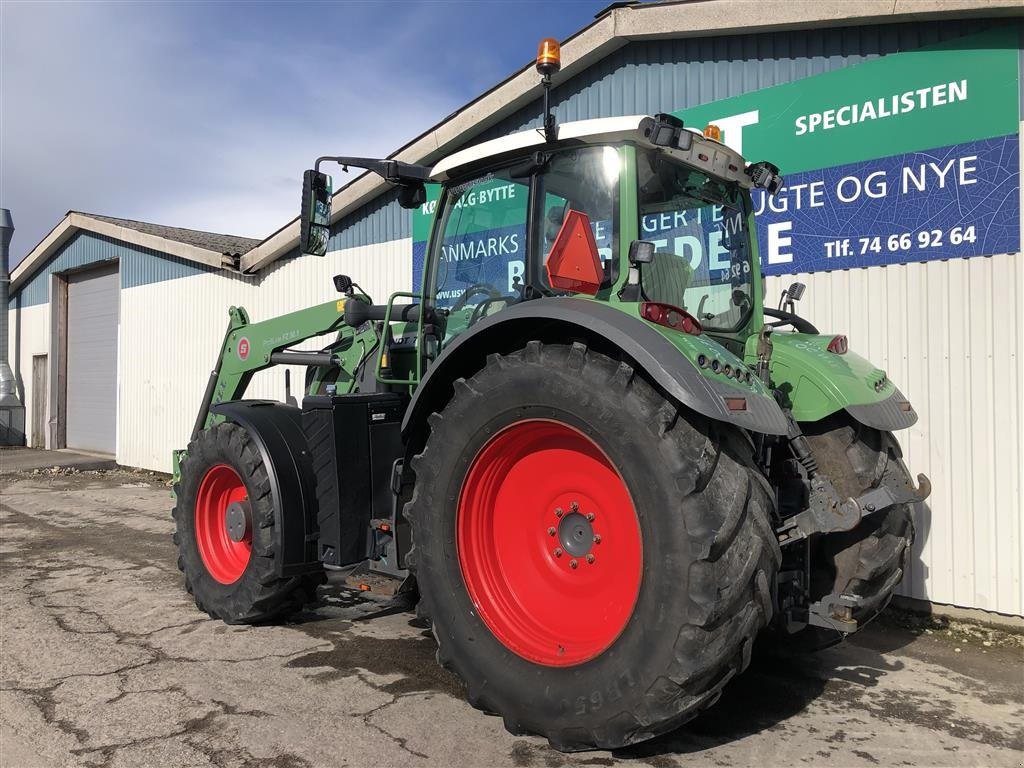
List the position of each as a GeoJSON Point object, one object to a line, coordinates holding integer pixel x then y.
{"type": "Point", "coordinates": [703, 260]}
{"type": "Point", "coordinates": [481, 262]}
{"type": "Point", "coordinates": [584, 180]}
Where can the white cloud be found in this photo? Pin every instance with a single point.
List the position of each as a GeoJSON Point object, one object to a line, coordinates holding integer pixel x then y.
{"type": "Point", "coordinates": [122, 110]}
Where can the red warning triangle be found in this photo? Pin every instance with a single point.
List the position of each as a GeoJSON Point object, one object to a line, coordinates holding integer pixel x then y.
{"type": "Point", "coordinates": [574, 264]}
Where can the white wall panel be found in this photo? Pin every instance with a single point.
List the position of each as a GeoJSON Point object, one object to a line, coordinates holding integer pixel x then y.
{"type": "Point", "coordinates": [29, 334]}
{"type": "Point", "coordinates": [949, 334]}
{"type": "Point", "coordinates": [171, 333]}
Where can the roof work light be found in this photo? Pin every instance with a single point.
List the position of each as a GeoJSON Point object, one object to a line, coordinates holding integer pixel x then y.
{"type": "Point", "coordinates": [549, 56]}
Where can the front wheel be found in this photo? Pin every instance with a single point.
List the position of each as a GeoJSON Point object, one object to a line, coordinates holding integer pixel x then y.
{"type": "Point", "coordinates": [228, 543]}
{"type": "Point", "coordinates": [595, 561]}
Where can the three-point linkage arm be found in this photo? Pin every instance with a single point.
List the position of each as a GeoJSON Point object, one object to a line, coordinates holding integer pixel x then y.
{"type": "Point", "coordinates": [393, 171]}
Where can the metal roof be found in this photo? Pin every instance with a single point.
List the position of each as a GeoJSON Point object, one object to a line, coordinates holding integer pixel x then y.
{"type": "Point", "coordinates": [229, 245]}
{"type": "Point", "coordinates": [211, 249]}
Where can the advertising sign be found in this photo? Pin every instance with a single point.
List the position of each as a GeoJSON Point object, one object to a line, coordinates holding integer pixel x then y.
{"type": "Point", "coordinates": [908, 157]}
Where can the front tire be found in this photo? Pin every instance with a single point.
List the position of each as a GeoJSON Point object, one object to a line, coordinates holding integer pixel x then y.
{"type": "Point", "coordinates": [634, 642]}
{"type": "Point", "coordinates": [229, 560]}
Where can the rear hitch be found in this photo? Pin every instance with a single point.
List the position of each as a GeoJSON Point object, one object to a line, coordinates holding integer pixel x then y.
{"type": "Point", "coordinates": [827, 514]}
{"type": "Point", "coordinates": [835, 611]}
{"type": "Point", "coordinates": [826, 511]}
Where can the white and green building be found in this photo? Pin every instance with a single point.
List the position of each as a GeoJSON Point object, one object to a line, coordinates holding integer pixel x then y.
{"type": "Point", "coordinates": [896, 124]}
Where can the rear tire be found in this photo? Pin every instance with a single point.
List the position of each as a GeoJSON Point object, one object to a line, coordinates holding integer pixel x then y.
{"type": "Point", "coordinates": [870, 560]}
{"type": "Point", "coordinates": [235, 581]}
{"type": "Point", "coordinates": [706, 555]}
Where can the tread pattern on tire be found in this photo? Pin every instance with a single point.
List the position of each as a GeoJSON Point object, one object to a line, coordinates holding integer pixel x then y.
{"type": "Point", "coordinates": [870, 560]}
{"type": "Point", "coordinates": [726, 509]}
{"type": "Point", "coordinates": [261, 594]}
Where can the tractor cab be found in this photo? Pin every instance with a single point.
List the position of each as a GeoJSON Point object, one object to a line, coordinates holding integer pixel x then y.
{"type": "Point", "coordinates": [627, 211]}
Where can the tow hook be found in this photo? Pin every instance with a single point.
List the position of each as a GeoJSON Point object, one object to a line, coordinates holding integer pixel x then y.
{"type": "Point", "coordinates": [827, 514]}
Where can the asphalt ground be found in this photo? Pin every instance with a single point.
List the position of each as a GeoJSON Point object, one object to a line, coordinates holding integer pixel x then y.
{"type": "Point", "coordinates": [105, 661]}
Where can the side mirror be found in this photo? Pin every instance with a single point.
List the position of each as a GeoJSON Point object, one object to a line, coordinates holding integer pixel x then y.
{"type": "Point", "coordinates": [641, 252]}
{"type": "Point", "coordinates": [412, 195]}
{"type": "Point", "coordinates": [315, 216]}
{"type": "Point", "coordinates": [796, 291]}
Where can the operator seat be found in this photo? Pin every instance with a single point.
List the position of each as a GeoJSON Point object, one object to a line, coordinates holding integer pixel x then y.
{"type": "Point", "coordinates": [552, 224]}
{"type": "Point", "coordinates": [666, 278]}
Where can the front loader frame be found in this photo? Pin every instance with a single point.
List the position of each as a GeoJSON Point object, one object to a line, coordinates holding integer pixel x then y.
{"type": "Point", "coordinates": [251, 347]}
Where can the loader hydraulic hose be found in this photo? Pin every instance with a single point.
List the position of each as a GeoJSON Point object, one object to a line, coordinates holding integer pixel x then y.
{"type": "Point", "coordinates": [211, 386]}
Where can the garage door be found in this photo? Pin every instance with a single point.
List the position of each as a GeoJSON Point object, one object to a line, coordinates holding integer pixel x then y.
{"type": "Point", "coordinates": [92, 360]}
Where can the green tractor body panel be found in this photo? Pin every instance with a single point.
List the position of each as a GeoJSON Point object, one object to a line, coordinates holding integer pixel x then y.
{"type": "Point", "coordinates": [708, 357]}
{"type": "Point", "coordinates": [817, 382]}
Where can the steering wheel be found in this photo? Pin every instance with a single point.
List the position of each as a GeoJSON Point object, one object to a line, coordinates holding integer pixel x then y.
{"type": "Point", "coordinates": [480, 311]}
{"type": "Point", "coordinates": [788, 318]}
{"type": "Point", "coordinates": [472, 291]}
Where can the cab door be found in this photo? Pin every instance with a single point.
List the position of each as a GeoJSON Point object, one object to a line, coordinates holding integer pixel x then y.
{"type": "Point", "coordinates": [494, 231]}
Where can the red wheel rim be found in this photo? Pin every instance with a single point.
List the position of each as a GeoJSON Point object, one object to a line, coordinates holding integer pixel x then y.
{"type": "Point", "coordinates": [549, 543]}
{"type": "Point", "coordinates": [224, 558]}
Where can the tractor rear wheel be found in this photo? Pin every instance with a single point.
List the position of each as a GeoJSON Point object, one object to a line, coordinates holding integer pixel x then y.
{"type": "Point", "coordinates": [595, 561]}
{"type": "Point", "coordinates": [870, 560]}
{"type": "Point", "coordinates": [225, 532]}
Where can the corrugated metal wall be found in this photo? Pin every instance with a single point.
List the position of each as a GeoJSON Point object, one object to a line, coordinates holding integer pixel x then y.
{"type": "Point", "coordinates": [171, 333]}
{"type": "Point", "coordinates": [667, 75]}
{"type": "Point", "coordinates": [949, 333]}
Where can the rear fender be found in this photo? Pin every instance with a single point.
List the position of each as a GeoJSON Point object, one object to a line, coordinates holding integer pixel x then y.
{"type": "Point", "coordinates": [664, 355]}
{"type": "Point", "coordinates": [818, 383]}
{"type": "Point", "coordinates": [276, 429]}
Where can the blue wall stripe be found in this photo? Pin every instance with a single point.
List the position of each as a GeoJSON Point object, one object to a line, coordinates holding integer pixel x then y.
{"type": "Point", "coordinates": [139, 266]}
{"type": "Point", "coordinates": [665, 75]}
{"type": "Point", "coordinates": [379, 221]}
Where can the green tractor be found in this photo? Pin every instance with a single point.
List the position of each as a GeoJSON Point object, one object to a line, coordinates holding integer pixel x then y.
{"type": "Point", "coordinates": [606, 467]}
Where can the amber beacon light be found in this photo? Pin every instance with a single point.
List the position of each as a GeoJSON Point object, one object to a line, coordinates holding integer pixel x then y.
{"type": "Point", "coordinates": [549, 56]}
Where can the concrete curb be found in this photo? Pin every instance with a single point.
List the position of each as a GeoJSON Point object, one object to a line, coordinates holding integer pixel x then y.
{"type": "Point", "coordinates": [1014, 624]}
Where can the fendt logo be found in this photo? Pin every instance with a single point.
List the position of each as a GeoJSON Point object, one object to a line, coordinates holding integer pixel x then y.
{"type": "Point", "coordinates": [243, 348]}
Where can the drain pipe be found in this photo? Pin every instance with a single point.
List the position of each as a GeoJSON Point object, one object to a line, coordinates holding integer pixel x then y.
{"type": "Point", "coordinates": [12, 412]}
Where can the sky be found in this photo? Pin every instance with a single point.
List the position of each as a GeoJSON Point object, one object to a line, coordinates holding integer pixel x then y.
{"type": "Point", "coordinates": [204, 115]}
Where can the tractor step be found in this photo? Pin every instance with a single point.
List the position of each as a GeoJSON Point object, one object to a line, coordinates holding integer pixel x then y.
{"type": "Point", "coordinates": [376, 583]}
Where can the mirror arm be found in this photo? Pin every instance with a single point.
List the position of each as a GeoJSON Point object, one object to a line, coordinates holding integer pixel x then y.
{"type": "Point", "coordinates": [393, 171]}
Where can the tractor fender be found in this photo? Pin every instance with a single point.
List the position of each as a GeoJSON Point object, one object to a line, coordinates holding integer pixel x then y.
{"type": "Point", "coordinates": [602, 328]}
{"type": "Point", "coordinates": [276, 429]}
{"type": "Point", "coordinates": [818, 383]}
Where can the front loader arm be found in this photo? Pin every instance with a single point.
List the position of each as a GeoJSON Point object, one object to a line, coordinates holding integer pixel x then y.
{"type": "Point", "coordinates": [250, 347]}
